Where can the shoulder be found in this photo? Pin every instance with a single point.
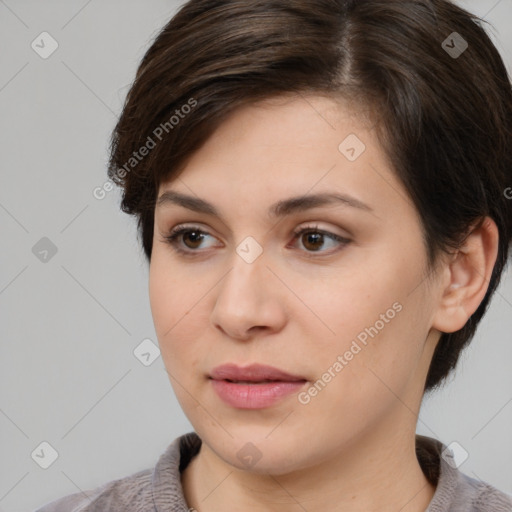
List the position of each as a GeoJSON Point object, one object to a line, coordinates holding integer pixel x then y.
{"type": "Point", "coordinates": [157, 488]}
{"type": "Point", "coordinates": [455, 490]}
{"type": "Point", "coordinates": [471, 495]}
{"type": "Point", "coordinates": [125, 494]}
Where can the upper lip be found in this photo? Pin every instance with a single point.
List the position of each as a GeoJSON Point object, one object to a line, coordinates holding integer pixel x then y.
{"type": "Point", "coordinates": [253, 372]}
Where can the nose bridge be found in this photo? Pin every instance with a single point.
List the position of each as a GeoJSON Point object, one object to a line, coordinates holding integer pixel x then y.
{"type": "Point", "coordinates": [248, 266]}
{"type": "Point", "coordinates": [244, 285]}
{"type": "Point", "coordinates": [246, 296]}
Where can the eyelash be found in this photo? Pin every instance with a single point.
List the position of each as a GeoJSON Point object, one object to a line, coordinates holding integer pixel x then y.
{"type": "Point", "coordinates": [172, 238]}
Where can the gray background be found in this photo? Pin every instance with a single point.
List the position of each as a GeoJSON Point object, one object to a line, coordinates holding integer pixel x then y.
{"type": "Point", "coordinates": [69, 326]}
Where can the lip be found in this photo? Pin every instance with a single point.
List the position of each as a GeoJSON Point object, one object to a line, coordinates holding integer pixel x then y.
{"type": "Point", "coordinates": [255, 393]}
{"type": "Point", "coordinates": [254, 373]}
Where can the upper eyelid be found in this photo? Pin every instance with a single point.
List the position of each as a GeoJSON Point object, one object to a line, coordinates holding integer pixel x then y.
{"type": "Point", "coordinates": [169, 207]}
{"type": "Point", "coordinates": [312, 225]}
{"type": "Point", "coordinates": [177, 232]}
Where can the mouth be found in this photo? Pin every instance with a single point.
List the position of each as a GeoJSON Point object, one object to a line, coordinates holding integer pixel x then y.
{"type": "Point", "coordinates": [255, 394]}
{"type": "Point", "coordinates": [256, 386]}
{"type": "Point", "coordinates": [267, 381]}
{"type": "Point", "coordinates": [253, 374]}
{"type": "Point", "coordinates": [258, 383]}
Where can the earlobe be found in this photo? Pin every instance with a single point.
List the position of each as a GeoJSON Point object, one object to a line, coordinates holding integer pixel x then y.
{"type": "Point", "coordinates": [467, 277]}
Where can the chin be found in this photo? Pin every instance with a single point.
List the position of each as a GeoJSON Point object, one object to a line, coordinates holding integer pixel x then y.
{"type": "Point", "coordinates": [253, 450]}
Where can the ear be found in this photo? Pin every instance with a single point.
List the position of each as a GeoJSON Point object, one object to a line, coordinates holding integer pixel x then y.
{"type": "Point", "coordinates": [467, 276]}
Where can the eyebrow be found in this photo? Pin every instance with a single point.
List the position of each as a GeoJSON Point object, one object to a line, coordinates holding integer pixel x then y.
{"type": "Point", "coordinates": [280, 209]}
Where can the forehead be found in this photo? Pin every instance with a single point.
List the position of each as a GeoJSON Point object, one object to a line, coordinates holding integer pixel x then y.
{"type": "Point", "coordinates": [288, 146]}
{"type": "Point", "coordinates": [292, 120]}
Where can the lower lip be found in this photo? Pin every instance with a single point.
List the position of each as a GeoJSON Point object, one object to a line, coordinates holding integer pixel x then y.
{"type": "Point", "coordinates": [254, 396]}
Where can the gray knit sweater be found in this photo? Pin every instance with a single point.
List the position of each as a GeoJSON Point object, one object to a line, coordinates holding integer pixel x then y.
{"type": "Point", "coordinates": [159, 489]}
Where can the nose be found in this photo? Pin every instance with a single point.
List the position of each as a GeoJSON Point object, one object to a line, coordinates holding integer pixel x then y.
{"type": "Point", "coordinates": [250, 300]}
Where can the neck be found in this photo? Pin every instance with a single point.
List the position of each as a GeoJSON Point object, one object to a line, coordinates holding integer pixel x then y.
{"type": "Point", "coordinates": [376, 473]}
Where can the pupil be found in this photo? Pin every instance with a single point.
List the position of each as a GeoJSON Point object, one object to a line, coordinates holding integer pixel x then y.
{"type": "Point", "coordinates": [316, 237]}
{"type": "Point", "coordinates": [194, 235]}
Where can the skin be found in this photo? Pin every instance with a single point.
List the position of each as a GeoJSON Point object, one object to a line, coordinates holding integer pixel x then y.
{"type": "Point", "coordinates": [298, 306]}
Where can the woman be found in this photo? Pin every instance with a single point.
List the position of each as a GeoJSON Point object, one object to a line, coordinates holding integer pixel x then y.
{"type": "Point", "coordinates": [321, 191]}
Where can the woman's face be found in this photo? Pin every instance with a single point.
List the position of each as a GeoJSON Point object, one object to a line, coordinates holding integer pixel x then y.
{"type": "Point", "coordinates": [352, 316]}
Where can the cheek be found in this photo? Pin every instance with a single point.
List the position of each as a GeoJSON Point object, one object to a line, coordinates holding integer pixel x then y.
{"type": "Point", "coordinates": [358, 383]}
{"type": "Point", "coordinates": [368, 326]}
{"type": "Point", "coordinates": [162, 300]}
{"type": "Point", "coordinates": [170, 303]}
{"type": "Point", "coordinates": [345, 305]}
{"type": "Point", "coordinates": [177, 298]}
{"type": "Point", "coordinates": [172, 294]}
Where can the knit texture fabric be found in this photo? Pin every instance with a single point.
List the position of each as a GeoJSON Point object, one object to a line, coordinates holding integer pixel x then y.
{"type": "Point", "coordinates": [159, 489]}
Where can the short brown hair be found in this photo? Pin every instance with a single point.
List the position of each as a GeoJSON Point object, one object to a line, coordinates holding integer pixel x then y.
{"type": "Point", "coordinates": [445, 119]}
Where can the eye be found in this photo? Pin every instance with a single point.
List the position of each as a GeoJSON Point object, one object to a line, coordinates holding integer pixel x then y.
{"type": "Point", "coordinates": [313, 238]}
{"type": "Point", "coordinates": [192, 236]}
